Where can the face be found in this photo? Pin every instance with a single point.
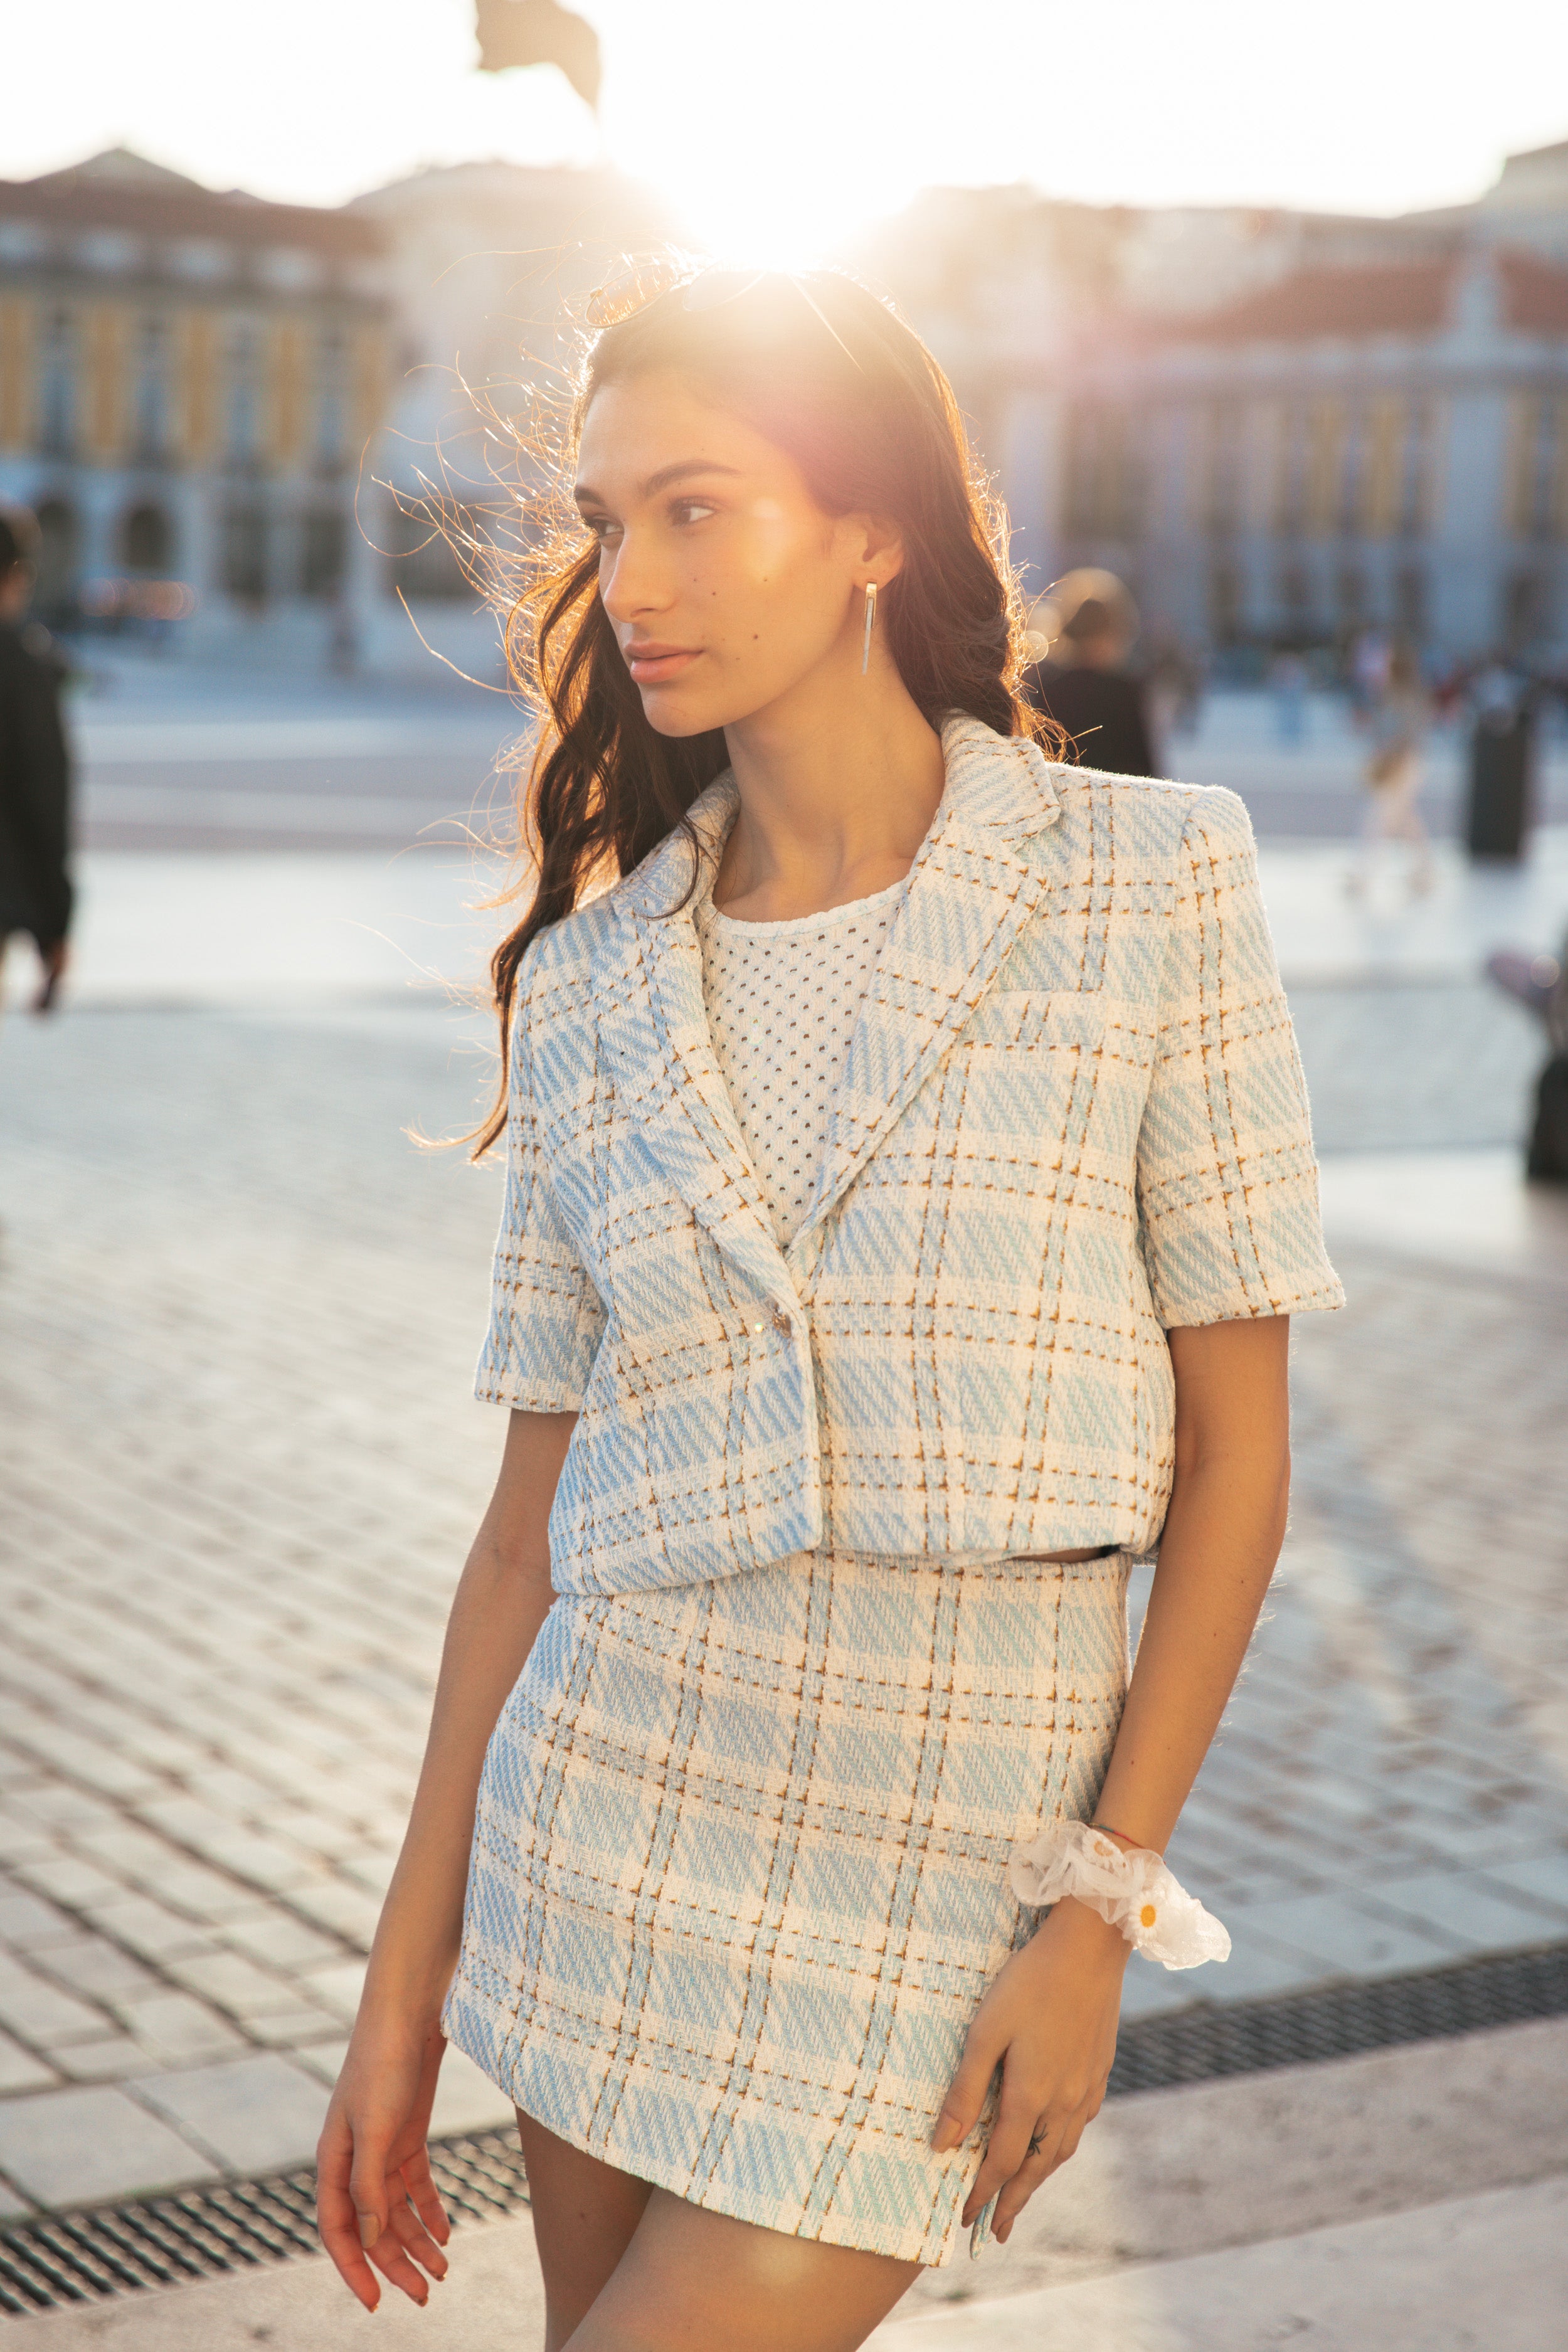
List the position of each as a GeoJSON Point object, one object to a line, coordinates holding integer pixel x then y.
{"type": "Point", "coordinates": [728, 586]}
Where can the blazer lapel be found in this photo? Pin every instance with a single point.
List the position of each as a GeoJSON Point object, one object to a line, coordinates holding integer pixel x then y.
{"type": "Point", "coordinates": [653, 1021]}
{"type": "Point", "coordinates": [969, 892]}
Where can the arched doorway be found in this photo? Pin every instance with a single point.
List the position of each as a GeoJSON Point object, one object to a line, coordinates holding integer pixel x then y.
{"type": "Point", "coordinates": [146, 538]}
{"type": "Point", "coordinates": [59, 549]}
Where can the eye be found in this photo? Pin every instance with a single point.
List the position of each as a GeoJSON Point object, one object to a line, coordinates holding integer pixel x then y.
{"type": "Point", "coordinates": [689, 510]}
{"type": "Point", "coordinates": [601, 528]}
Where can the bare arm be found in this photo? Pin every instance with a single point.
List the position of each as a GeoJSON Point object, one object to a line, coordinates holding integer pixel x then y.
{"type": "Point", "coordinates": [1049, 2020]}
{"type": "Point", "coordinates": [372, 2157]}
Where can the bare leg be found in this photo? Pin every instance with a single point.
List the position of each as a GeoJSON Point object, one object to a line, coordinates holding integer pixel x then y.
{"type": "Point", "coordinates": [697, 2282]}
{"type": "Point", "coordinates": [584, 2216]}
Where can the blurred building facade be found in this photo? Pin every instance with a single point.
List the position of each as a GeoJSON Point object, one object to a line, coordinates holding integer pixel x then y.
{"type": "Point", "coordinates": [187, 383]}
{"type": "Point", "coordinates": [1279, 427]}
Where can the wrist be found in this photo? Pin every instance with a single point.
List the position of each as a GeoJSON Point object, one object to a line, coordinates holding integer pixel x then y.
{"type": "Point", "coordinates": [1072, 1925]}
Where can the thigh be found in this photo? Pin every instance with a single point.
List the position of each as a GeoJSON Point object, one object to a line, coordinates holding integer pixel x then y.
{"type": "Point", "coordinates": [584, 2216]}
{"type": "Point", "coordinates": [692, 2281]}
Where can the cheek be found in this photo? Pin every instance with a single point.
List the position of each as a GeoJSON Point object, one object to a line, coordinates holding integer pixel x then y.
{"type": "Point", "coordinates": [778, 586]}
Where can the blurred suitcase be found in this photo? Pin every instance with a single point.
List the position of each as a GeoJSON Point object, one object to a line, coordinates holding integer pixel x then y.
{"type": "Point", "coordinates": [1499, 788]}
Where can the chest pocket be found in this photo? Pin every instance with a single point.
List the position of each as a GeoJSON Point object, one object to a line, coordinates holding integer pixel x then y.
{"type": "Point", "coordinates": [1049, 1018]}
{"type": "Point", "coordinates": [1023, 1082]}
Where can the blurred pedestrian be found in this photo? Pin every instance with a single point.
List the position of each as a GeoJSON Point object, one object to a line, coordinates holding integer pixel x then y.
{"type": "Point", "coordinates": [1175, 689]}
{"type": "Point", "coordinates": [34, 767]}
{"type": "Point", "coordinates": [1540, 982]}
{"type": "Point", "coordinates": [1400, 719]}
{"type": "Point", "coordinates": [1090, 622]}
{"type": "Point", "coordinates": [1288, 685]}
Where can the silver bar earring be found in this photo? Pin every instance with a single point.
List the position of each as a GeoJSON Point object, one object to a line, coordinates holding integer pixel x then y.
{"type": "Point", "coordinates": [870, 625]}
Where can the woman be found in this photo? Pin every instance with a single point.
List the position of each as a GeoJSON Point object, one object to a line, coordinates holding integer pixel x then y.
{"type": "Point", "coordinates": [1401, 716]}
{"type": "Point", "coordinates": [910, 1180]}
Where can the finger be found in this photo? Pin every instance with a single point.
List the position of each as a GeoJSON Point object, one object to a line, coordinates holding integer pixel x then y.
{"type": "Point", "coordinates": [395, 2266]}
{"type": "Point", "coordinates": [416, 2241]}
{"type": "Point", "coordinates": [368, 2190]}
{"type": "Point", "coordinates": [420, 2183]}
{"type": "Point", "coordinates": [336, 2222]}
{"type": "Point", "coordinates": [967, 2092]}
{"type": "Point", "coordinates": [1006, 2151]}
{"type": "Point", "coordinates": [1016, 2192]}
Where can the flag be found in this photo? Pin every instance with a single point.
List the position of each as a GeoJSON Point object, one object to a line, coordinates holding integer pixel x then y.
{"type": "Point", "coordinates": [539, 33]}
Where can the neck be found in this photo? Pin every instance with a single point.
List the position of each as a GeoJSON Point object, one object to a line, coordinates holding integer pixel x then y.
{"type": "Point", "coordinates": [839, 783]}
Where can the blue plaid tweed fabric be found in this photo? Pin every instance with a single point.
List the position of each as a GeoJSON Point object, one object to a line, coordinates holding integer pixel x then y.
{"type": "Point", "coordinates": [738, 1878]}
{"type": "Point", "coordinates": [1071, 1117]}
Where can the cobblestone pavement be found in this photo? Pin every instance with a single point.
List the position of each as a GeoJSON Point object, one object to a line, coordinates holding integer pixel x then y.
{"type": "Point", "coordinates": [239, 1467]}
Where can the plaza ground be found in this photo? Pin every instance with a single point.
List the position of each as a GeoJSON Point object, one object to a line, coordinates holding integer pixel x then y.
{"type": "Point", "coordinates": [239, 1309]}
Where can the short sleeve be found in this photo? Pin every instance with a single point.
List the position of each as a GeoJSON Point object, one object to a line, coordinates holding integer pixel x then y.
{"type": "Point", "coordinates": [546, 1317]}
{"type": "Point", "coordinates": [1228, 1182]}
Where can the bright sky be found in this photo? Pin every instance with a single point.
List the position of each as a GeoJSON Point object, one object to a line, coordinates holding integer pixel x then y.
{"type": "Point", "coordinates": [777, 124]}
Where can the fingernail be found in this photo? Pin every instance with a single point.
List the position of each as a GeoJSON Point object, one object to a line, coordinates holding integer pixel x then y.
{"type": "Point", "coordinates": [944, 2137]}
{"type": "Point", "coordinates": [369, 2231]}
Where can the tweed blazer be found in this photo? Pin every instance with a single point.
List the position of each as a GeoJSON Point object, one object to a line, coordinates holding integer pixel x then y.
{"type": "Point", "coordinates": [1071, 1116]}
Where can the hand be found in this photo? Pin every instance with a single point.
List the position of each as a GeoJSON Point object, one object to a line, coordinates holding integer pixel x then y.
{"type": "Point", "coordinates": [375, 2201]}
{"type": "Point", "coordinates": [1049, 2021]}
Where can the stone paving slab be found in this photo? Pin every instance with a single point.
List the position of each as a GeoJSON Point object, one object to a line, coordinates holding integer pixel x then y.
{"type": "Point", "coordinates": [1489, 2271]}
{"type": "Point", "coordinates": [239, 1311]}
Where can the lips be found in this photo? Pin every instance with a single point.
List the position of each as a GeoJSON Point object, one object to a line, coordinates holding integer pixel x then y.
{"type": "Point", "coordinates": [651, 663]}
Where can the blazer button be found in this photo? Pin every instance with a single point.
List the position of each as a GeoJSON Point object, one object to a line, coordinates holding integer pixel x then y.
{"type": "Point", "coordinates": [781, 1321]}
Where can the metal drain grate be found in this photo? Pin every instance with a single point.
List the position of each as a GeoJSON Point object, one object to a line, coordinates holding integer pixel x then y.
{"type": "Point", "coordinates": [172, 2240]}
{"type": "Point", "coordinates": [1193, 2045]}
{"type": "Point", "coordinates": [169, 2240]}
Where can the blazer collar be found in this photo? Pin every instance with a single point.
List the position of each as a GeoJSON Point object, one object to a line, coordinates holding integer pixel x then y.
{"type": "Point", "coordinates": [968, 894]}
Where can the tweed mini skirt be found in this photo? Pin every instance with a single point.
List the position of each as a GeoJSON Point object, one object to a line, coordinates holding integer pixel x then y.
{"type": "Point", "coordinates": [738, 1871]}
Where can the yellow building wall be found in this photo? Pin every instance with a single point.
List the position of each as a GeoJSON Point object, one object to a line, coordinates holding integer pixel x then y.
{"type": "Point", "coordinates": [196, 388]}
{"type": "Point", "coordinates": [1325, 463]}
{"type": "Point", "coordinates": [368, 383]}
{"type": "Point", "coordinates": [105, 351]}
{"type": "Point", "coordinates": [18, 363]}
{"type": "Point", "coordinates": [1383, 480]}
{"type": "Point", "coordinates": [289, 395]}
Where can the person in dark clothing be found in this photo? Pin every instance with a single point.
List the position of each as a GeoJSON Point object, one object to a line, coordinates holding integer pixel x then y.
{"type": "Point", "coordinates": [35, 769]}
{"type": "Point", "coordinates": [1089, 622]}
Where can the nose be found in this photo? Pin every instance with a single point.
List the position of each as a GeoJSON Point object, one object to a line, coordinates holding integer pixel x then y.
{"type": "Point", "coordinates": [633, 583]}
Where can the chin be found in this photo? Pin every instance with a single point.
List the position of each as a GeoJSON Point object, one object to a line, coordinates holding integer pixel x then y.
{"type": "Point", "coordinates": [667, 714]}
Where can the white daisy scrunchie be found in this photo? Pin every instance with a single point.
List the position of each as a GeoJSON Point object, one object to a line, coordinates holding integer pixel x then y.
{"type": "Point", "coordinates": [1131, 1890]}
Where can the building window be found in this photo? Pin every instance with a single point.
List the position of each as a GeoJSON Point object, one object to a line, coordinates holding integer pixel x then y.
{"type": "Point", "coordinates": [243, 420]}
{"type": "Point", "coordinates": [1538, 468]}
{"type": "Point", "coordinates": [1415, 470]}
{"type": "Point", "coordinates": [149, 394]}
{"type": "Point", "coordinates": [330, 435]}
{"type": "Point", "coordinates": [146, 539]}
{"type": "Point", "coordinates": [1225, 601]}
{"type": "Point", "coordinates": [59, 543]}
{"type": "Point", "coordinates": [1105, 479]}
{"type": "Point", "coordinates": [1351, 596]}
{"type": "Point", "coordinates": [245, 555]}
{"type": "Point", "coordinates": [1524, 611]}
{"type": "Point", "coordinates": [1410, 602]}
{"type": "Point", "coordinates": [323, 553]}
{"type": "Point", "coordinates": [57, 385]}
{"type": "Point", "coordinates": [1295, 596]}
{"type": "Point", "coordinates": [422, 560]}
{"type": "Point", "coordinates": [1221, 494]}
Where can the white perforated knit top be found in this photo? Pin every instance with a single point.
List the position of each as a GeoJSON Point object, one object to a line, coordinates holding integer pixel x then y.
{"type": "Point", "coordinates": [782, 1000]}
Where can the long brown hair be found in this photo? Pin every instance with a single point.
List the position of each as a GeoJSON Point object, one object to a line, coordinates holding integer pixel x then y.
{"type": "Point", "coordinates": [834, 378]}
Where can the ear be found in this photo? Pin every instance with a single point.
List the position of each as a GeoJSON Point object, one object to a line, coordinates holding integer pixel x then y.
{"type": "Point", "coordinates": [878, 549]}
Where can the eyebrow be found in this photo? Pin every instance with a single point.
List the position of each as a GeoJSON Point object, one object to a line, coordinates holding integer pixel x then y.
{"type": "Point", "coordinates": [682, 470]}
